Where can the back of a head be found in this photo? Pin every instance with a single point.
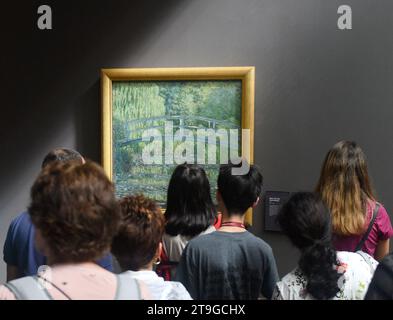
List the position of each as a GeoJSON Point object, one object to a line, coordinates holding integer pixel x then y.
{"type": "Point", "coordinates": [306, 221]}
{"type": "Point", "coordinates": [239, 192]}
{"type": "Point", "coordinates": [190, 209]}
{"type": "Point", "coordinates": [344, 185]}
{"type": "Point", "coordinates": [140, 232]}
{"type": "Point", "coordinates": [62, 155]}
{"type": "Point", "coordinates": [75, 208]}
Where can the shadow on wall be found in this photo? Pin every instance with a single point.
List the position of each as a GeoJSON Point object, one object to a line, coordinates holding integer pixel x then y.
{"type": "Point", "coordinates": [88, 122]}
{"type": "Point", "coordinates": [54, 74]}
{"type": "Point", "coordinates": [50, 91]}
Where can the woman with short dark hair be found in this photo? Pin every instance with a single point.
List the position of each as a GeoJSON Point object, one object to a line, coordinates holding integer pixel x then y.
{"type": "Point", "coordinates": [322, 272]}
{"type": "Point", "coordinates": [76, 215]}
{"type": "Point", "coordinates": [137, 246]}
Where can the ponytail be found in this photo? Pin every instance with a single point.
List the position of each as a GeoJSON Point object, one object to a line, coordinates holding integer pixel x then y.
{"type": "Point", "coordinates": [306, 221]}
{"type": "Point", "coordinates": [317, 264]}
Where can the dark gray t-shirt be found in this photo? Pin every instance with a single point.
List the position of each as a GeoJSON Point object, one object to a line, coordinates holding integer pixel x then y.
{"type": "Point", "coordinates": [224, 265]}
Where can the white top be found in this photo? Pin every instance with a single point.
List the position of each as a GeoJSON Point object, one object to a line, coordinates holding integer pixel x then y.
{"type": "Point", "coordinates": [357, 269]}
{"type": "Point", "coordinates": [160, 289]}
{"type": "Point", "coordinates": [174, 245]}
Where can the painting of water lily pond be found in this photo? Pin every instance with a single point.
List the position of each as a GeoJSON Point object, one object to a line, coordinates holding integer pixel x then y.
{"type": "Point", "coordinates": [159, 124]}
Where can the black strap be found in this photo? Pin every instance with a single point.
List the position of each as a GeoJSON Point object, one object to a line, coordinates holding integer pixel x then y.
{"type": "Point", "coordinates": [55, 286]}
{"type": "Point", "coordinates": [370, 226]}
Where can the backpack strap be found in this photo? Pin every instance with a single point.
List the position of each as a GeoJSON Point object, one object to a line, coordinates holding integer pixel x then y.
{"type": "Point", "coordinates": [28, 288]}
{"type": "Point", "coordinates": [370, 226]}
{"type": "Point", "coordinates": [127, 288]}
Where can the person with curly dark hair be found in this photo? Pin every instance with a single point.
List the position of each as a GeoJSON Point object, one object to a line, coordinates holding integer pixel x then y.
{"type": "Point", "coordinates": [322, 272]}
{"type": "Point", "coordinates": [76, 214]}
{"type": "Point", "coordinates": [137, 246]}
{"type": "Point", "coordinates": [20, 254]}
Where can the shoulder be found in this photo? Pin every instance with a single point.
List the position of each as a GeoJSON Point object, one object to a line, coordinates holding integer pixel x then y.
{"type": "Point", "coordinates": [354, 257]}
{"type": "Point", "coordinates": [357, 270]}
{"type": "Point", "coordinates": [203, 244]}
{"type": "Point", "coordinates": [259, 243]}
{"type": "Point", "coordinates": [177, 291]}
{"type": "Point", "coordinates": [382, 213]}
{"type": "Point", "coordinates": [21, 220]}
{"type": "Point", "coordinates": [294, 275]}
{"type": "Point", "coordinates": [383, 223]}
{"type": "Point", "coordinates": [292, 286]}
{"type": "Point", "coordinates": [25, 288]}
{"type": "Point", "coordinates": [174, 245]}
{"type": "Point", "coordinates": [18, 231]}
{"type": "Point", "coordinates": [6, 294]}
{"type": "Point", "coordinates": [216, 237]}
{"type": "Point", "coordinates": [202, 239]}
{"type": "Point", "coordinates": [358, 263]}
{"type": "Point", "coordinates": [210, 229]}
{"type": "Point", "coordinates": [199, 243]}
{"type": "Point", "coordinates": [168, 239]}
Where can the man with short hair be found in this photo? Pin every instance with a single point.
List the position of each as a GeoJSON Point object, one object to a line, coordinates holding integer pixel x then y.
{"type": "Point", "coordinates": [230, 263]}
{"type": "Point", "coordinates": [20, 254]}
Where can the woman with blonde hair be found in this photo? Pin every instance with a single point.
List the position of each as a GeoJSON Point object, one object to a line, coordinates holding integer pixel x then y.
{"type": "Point", "coordinates": [359, 222]}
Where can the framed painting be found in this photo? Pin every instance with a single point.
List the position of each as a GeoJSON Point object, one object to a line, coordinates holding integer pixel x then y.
{"type": "Point", "coordinates": [154, 119]}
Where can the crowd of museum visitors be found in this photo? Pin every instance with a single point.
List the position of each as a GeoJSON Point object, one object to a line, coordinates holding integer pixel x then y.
{"type": "Point", "coordinates": [77, 240]}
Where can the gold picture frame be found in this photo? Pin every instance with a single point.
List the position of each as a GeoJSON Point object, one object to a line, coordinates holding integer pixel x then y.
{"type": "Point", "coordinates": [109, 77]}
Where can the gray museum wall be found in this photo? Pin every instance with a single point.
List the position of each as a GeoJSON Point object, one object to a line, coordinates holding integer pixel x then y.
{"type": "Point", "coordinates": [315, 84]}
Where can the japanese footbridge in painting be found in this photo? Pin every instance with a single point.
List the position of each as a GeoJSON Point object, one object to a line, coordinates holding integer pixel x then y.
{"type": "Point", "coordinates": [135, 128]}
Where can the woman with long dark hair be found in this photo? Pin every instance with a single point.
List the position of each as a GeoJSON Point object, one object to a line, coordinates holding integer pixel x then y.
{"type": "Point", "coordinates": [359, 222]}
{"type": "Point", "coordinates": [322, 272]}
{"type": "Point", "coordinates": [190, 210]}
